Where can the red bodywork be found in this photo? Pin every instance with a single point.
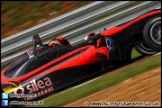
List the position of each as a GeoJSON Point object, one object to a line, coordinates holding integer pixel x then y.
{"type": "Point", "coordinates": [87, 57]}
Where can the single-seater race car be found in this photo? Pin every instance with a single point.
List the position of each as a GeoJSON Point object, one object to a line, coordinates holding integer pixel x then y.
{"type": "Point", "coordinates": [46, 68]}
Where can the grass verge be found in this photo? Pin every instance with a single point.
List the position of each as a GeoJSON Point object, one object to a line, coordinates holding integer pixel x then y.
{"type": "Point", "coordinates": [135, 54]}
{"type": "Point", "coordinates": [71, 95]}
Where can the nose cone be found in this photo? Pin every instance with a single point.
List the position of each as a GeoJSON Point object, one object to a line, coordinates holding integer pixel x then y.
{"type": "Point", "coordinates": [7, 88]}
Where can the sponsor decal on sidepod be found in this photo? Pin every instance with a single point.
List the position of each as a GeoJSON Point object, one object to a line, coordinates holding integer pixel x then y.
{"type": "Point", "coordinates": [38, 88]}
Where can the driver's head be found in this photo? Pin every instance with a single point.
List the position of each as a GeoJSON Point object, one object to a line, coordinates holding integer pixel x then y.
{"type": "Point", "coordinates": [56, 41]}
{"type": "Point", "coordinates": [60, 38]}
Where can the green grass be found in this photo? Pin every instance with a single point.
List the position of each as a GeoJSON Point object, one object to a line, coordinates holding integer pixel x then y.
{"type": "Point", "coordinates": [135, 54]}
{"type": "Point", "coordinates": [71, 95]}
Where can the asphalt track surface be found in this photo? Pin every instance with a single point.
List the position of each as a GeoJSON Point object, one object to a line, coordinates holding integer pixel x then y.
{"type": "Point", "coordinates": [141, 90]}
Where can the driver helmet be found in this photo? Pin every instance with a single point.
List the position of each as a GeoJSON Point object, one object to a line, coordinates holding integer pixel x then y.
{"type": "Point", "coordinates": [56, 41]}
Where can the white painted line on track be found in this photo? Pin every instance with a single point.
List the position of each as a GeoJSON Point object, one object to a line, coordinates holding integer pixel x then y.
{"type": "Point", "coordinates": [61, 92]}
{"type": "Point", "coordinates": [84, 83]}
{"type": "Point", "coordinates": [157, 54]}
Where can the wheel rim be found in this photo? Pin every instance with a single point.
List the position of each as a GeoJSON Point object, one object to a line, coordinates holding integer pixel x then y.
{"type": "Point", "coordinates": [155, 32]}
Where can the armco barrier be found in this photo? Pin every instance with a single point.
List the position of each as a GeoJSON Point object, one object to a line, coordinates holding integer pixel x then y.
{"type": "Point", "coordinates": [76, 24]}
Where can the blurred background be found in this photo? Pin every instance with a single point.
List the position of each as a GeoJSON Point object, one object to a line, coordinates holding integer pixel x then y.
{"type": "Point", "coordinates": [20, 20]}
{"type": "Point", "coordinates": [19, 15]}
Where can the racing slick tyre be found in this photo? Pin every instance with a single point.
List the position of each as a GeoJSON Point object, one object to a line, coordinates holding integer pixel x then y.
{"type": "Point", "coordinates": [144, 50]}
{"type": "Point", "coordinates": [152, 33]}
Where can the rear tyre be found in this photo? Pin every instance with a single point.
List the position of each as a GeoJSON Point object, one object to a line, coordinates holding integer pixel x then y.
{"type": "Point", "coordinates": [152, 33]}
{"type": "Point", "coordinates": [144, 50]}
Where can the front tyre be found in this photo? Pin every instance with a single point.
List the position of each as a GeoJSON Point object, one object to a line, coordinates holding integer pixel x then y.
{"type": "Point", "coordinates": [144, 50]}
{"type": "Point", "coordinates": [152, 33]}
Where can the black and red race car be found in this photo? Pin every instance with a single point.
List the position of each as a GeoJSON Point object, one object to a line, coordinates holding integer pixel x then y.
{"type": "Point", "coordinates": [42, 69]}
